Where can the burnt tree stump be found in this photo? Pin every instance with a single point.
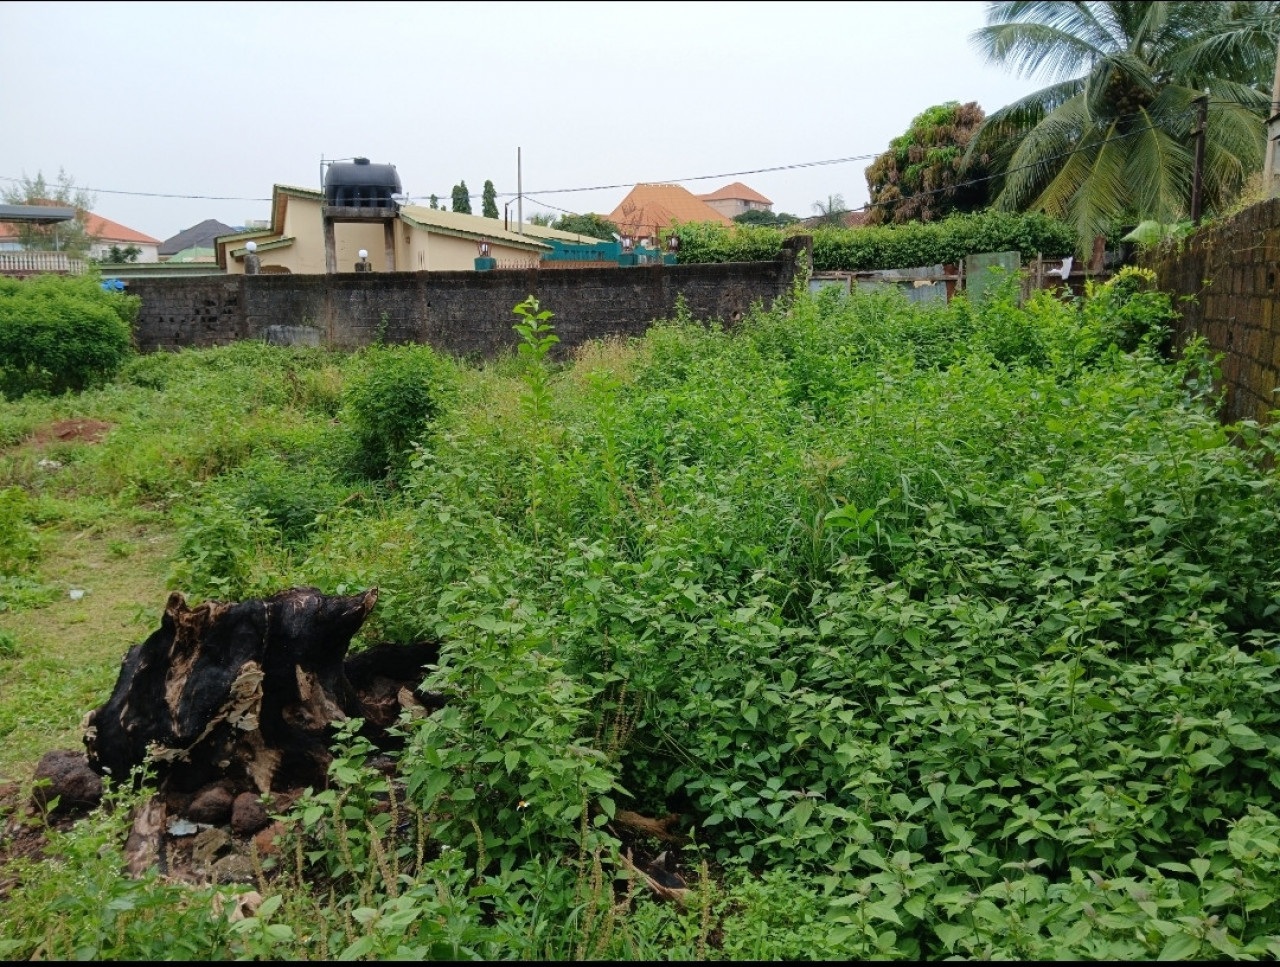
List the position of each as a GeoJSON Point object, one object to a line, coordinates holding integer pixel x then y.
{"type": "Point", "coordinates": [245, 693]}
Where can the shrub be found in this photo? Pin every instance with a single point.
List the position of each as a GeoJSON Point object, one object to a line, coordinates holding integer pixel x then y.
{"type": "Point", "coordinates": [391, 404]}
{"type": "Point", "coordinates": [220, 546]}
{"type": "Point", "coordinates": [1127, 309]}
{"type": "Point", "coordinates": [291, 497]}
{"type": "Point", "coordinates": [889, 246]}
{"type": "Point", "coordinates": [61, 333]}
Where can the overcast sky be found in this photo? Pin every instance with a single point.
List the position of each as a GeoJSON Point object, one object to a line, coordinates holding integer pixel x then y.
{"type": "Point", "coordinates": [226, 99]}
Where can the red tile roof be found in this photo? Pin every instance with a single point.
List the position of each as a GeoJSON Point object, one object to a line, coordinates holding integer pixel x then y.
{"type": "Point", "coordinates": [108, 231]}
{"type": "Point", "coordinates": [648, 208]}
{"type": "Point", "coordinates": [737, 192]}
{"type": "Point", "coordinates": [103, 228]}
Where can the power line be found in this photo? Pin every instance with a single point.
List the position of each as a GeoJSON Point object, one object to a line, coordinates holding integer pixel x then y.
{"type": "Point", "coordinates": [613, 187]}
{"type": "Point", "coordinates": [146, 194]}
{"type": "Point", "coordinates": [1008, 171]}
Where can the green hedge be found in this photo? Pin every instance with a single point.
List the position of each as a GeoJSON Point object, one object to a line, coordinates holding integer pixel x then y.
{"type": "Point", "coordinates": [887, 246]}
{"type": "Point", "coordinates": [61, 333]}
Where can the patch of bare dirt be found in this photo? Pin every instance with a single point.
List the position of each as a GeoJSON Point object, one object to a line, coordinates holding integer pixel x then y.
{"type": "Point", "coordinates": [23, 832]}
{"type": "Point", "coordinates": [70, 431]}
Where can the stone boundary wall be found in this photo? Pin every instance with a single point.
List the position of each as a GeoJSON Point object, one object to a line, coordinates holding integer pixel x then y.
{"type": "Point", "coordinates": [1232, 271]}
{"type": "Point", "coordinates": [466, 314]}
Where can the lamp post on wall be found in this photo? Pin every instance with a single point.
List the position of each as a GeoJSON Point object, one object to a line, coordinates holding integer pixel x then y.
{"type": "Point", "coordinates": [485, 261]}
{"type": "Point", "coordinates": [673, 249]}
{"type": "Point", "coordinates": [364, 265]}
{"type": "Point", "coordinates": [252, 264]}
{"type": "Point", "coordinates": [628, 256]}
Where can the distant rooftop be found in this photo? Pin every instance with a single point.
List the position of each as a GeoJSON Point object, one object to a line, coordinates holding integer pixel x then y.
{"type": "Point", "coordinates": [737, 192]}
{"type": "Point", "coordinates": [648, 208]}
{"type": "Point", "coordinates": [197, 236]}
{"type": "Point", "coordinates": [36, 214]}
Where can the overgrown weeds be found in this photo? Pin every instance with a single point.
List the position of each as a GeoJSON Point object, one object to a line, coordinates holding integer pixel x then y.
{"type": "Point", "coordinates": [947, 631]}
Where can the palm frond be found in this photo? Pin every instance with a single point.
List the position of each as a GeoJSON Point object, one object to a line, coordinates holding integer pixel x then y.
{"type": "Point", "coordinates": [1035, 49]}
{"type": "Point", "coordinates": [1157, 174]}
{"type": "Point", "coordinates": [1088, 21]}
{"type": "Point", "coordinates": [1041, 152]}
{"type": "Point", "coordinates": [1102, 192]}
{"type": "Point", "coordinates": [1241, 48]}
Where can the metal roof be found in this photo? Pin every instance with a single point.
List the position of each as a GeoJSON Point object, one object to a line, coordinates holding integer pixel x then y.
{"type": "Point", "coordinates": [36, 214]}
{"type": "Point", "coordinates": [463, 225]}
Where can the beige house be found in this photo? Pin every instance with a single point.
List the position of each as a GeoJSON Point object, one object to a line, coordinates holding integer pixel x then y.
{"type": "Point", "coordinates": [737, 199]}
{"type": "Point", "coordinates": [423, 240]}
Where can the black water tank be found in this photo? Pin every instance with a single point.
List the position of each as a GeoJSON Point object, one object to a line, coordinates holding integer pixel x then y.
{"type": "Point", "coordinates": [358, 184]}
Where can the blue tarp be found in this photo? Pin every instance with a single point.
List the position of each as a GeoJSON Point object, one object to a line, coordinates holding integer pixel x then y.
{"type": "Point", "coordinates": [113, 285]}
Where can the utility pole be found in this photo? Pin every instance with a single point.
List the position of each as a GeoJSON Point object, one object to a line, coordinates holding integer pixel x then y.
{"type": "Point", "coordinates": [1197, 180]}
{"type": "Point", "coordinates": [519, 194]}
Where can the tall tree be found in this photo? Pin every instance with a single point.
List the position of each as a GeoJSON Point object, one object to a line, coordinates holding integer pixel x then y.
{"type": "Point", "coordinates": [923, 176]}
{"type": "Point", "coordinates": [490, 200]}
{"type": "Point", "coordinates": [758, 216]}
{"type": "Point", "coordinates": [72, 237]}
{"type": "Point", "coordinates": [1111, 138]}
{"type": "Point", "coordinates": [435, 201]}
{"type": "Point", "coordinates": [831, 211]}
{"type": "Point", "coordinates": [461, 198]}
{"type": "Point", "coordinates": [596, 226]}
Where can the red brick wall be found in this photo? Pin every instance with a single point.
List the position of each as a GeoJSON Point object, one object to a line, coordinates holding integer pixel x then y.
{"type": "Point", "coordinates": [1232, 273]}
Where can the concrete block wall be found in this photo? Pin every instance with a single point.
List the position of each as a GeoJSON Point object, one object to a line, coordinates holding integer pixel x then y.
{"type": "Point", "coordinates": [1226, 280]}
{"type": "Point", "coordinates": [467, 314]}
{"type": "Point", "coordinates": [200, 311]}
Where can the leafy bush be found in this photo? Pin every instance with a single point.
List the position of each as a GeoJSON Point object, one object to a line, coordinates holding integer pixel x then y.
{"type": "Point", "coordinates": [887, 247]}
{"type": "Point", "coordinates": [291, 496]}
{"type": "Point", "coordinates": [391, 403]}
{"type": "Point", "coordinates": [1128, 309]}
{"type": "Point", "coordinates": [61, 333]}
{"type": "Point", "coordinates": [220, 550]}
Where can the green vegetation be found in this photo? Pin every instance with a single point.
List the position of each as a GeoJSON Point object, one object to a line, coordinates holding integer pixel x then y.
{"type": "Point", "coordinates": [886, 246]}
{"type": "Point", "coordinates": [831, 211]}
{"type": "Point", "coordinates": [1110, 141]}
{"type": "Point", "coordinates": [948, 631]}
{"type": "Point", "coordinates": [489, 200]}
{"type": "Point", "coordinates": [61, 333]}
{"type": "Point", "coordinates": [770, 219]}
{"type": "Point", "coordinates": [72, 237]}
{"type": "Point", "coordinates": [461, 198]}
{"type": "Point", "coordinates": [924, 176]}
{"type": "Point", "coordinates": [596, 226]}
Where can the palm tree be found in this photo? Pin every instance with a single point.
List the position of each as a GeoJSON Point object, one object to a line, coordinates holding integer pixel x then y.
{"type": "Point", "coordinates": [1112, 138]}
{"type": "Point", "coordinates": [830, 212]}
